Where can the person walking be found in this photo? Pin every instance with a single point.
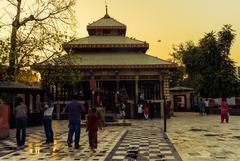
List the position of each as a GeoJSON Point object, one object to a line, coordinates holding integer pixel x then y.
{"type": "Point", "coordinates": [206, 105]}
{"type": "Point", "coordinates": [146, 111]}
{"type": "Point", "coordinates": [75, 109]}
{"type": "Point", "coordinates": [47, 121]}
{"type": "Point", "coordinates": [93, 123]}
{"type": "Point", "coordinates": [140, 111]}
{"type": "Point", "coordinates": [201, 107]}
{"type": "Point", "coordinates": [224, 111]}
{"type": "Point", "coordinates": [21, 122]}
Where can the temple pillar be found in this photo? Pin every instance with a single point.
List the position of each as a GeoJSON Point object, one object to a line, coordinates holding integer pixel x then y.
{"type": "Point", "coordinates": [136, 89]}
{"type": "Point", "coordinates": [166, 87]}
{"type": "Point", "coordinates": [117, 81]}
{"type": "Point", "coordinates": [34, 100]}
{"type": "Point", "coordinates": [136, 95]}
{"type": "Point", "coordinates": [161, 82]}
{"type": "Point", "coordinates": [27, 100]}
{"type": "Point", "coordinates": [117, 90]}
{"type": "Point", "coordinates": [92, 88]}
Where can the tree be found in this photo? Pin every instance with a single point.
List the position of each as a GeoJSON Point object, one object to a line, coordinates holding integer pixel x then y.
{"type": "Point", "coordinates": [38, 28]}
{"type": "Point", "coordinates": [210, 70]}
{"type": "Point", "coordinates": [185, 69]}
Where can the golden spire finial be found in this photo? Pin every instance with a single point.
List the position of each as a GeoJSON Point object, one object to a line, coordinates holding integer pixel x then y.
{"type": "Point", "coordinates": [106, 10]}
{"type": "Point", "coordinates": [106, 15]}
{"type": "Point", "coordinates": [106, 7]}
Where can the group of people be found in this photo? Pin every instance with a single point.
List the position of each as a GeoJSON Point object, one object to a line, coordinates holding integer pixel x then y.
{"type": "Point", "coordinates": [204, 108]}
{"type": "Point", "coordinates": [75, 110]}
{"type": "Point", "coordinates": [143, 111]}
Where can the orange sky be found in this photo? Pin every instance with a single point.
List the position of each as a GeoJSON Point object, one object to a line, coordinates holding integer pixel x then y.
{"type": "Point", "coordinates": [171, 21]}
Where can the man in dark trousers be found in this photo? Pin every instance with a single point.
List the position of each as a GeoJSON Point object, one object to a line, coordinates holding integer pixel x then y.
{"type": "Point", "coordinates": [21, 122]}
{"type": "Point", "coordinates": [75, 110]}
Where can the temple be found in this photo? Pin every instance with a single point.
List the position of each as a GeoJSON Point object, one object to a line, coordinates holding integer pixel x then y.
{"type": "Point", "coordinates": [113, 69]}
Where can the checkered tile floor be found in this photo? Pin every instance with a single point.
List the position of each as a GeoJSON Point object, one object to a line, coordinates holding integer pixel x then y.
{"type": "Point", "coordinates": [9, 145]}
{"type": "Point", "coordinates": [144, 143]}
{"type": "Point", "coordinates": [37, 150]}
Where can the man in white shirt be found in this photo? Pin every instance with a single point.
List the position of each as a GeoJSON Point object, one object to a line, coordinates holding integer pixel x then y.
{"type": "Point", "coordinates": [140, 111]}
{"type": "Point", "coordinates": [47, 121]}
{"type": "Point", "coordinates": [207, 109]}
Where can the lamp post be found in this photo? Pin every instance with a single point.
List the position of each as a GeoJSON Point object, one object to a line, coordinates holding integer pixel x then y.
{"type": "Point", "coordinates": [164, 107]}
{"type": "Point", "coordinates": [164, 102]}
{"type": "Point", "coordinates": [165, 114]}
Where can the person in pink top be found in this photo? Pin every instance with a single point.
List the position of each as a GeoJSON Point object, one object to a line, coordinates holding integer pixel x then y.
{"type": "Point", "coordinates": [224, 111]}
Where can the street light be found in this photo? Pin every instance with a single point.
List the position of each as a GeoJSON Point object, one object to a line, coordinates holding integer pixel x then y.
{"type": "Point", "coordinates": [165, 114]}
{"type": "Point", "coordinates": [164, 102]}
{"type": "Point", "coordinates": [164, 108]}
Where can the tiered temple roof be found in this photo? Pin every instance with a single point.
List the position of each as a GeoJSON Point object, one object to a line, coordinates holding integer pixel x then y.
{"type": "Point", "coordinates": [108, 47]}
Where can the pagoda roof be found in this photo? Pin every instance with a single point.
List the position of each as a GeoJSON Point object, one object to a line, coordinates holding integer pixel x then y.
{"type": "Point", "coordinates": [107, 23]}
{"type": "Point", "coordinates": [105, 60]}
{"type": "Point", "coordinates": [105, 42]}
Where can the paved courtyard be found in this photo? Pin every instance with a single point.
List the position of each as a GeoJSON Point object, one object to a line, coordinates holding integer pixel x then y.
{"type": "Point", "coordinates": [204, 138]}
{"type": "Point", "coordinates": [196, 138]}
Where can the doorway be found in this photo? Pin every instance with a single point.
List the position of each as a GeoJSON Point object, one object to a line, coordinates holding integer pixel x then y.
{"type": "Point", "coordinates": [180, 103]}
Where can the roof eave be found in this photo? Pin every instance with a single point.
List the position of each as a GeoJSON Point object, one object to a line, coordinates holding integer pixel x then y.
{"type": "Point", "coordinates": [80, 46]}
{"type": "Point", "coordinates": [106, 27]}
{"type": "Point", "coordinates": [84, 67]}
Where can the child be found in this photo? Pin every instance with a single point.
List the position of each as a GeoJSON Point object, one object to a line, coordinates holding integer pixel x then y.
{"type": "Point", "coordinates": [93, 122]}
{"type": "Point", "coordinates": [224, 110]}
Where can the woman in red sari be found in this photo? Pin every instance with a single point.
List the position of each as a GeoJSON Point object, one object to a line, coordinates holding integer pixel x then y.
{"type": "Point", "coordinates": [93, 122]}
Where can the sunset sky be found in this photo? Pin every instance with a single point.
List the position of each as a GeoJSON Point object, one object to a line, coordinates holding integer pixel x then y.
{"type": "Point", "coordinates": [171, 21]}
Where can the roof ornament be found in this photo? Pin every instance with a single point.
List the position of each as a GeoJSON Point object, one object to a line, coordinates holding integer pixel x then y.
{"type": "Point", "coordinates": [106, 15]}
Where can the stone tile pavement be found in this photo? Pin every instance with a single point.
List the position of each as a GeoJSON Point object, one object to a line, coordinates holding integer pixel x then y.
{"type": "Point", "coordinates": [204, 138]}
{"type": "Point", "coordinates": [115, 143]}
{"type": "Point", "coordinates": [196, 138]}
{"type": "Point", "coordinates": [37, 150]}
